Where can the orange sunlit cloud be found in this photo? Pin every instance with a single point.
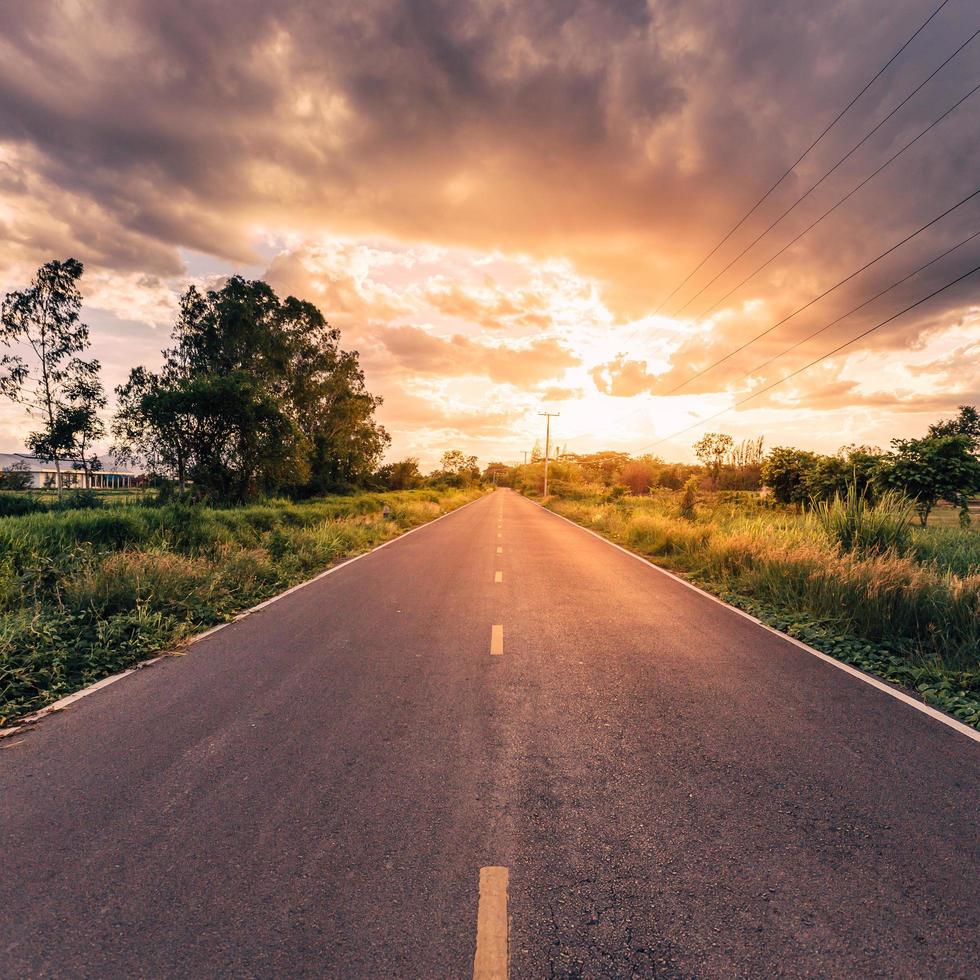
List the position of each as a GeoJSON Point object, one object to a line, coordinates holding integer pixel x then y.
{"type": "Point", "coordinates": [492, 201]}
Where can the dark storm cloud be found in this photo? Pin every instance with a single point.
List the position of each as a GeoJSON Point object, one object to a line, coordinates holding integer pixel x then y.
{"type": "Point", "coordinates": [625, 136]}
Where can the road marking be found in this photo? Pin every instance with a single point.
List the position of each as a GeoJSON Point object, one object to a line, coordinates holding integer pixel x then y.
{"type": "Point", "coordinates": [490, 961]}
{"type": "Point", "coordinates": [894, 692]}
{"type": "Point", "coordinates": [498, 576]}
{"type": "Point", "coordinates": [499, 535]}
{"type": "Point", "coordinates": [496, 640]}
{"type": "Point", "coordinates": [500, 550]}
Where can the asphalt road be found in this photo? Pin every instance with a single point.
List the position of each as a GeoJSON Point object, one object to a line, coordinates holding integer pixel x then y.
{"type": "Point", "coordinates": [313, 790]}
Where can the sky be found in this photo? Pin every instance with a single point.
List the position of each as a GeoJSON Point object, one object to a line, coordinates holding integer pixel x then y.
{"type": "Point", "coordinates": [493, 199]}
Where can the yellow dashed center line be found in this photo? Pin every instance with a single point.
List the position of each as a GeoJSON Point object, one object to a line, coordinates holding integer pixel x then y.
{"type": "Point", "coordinates": [490, 962]}
{"type": "Point", "coordinates": [496, 641]}
{"type": "Point", "coordinates": [500, 550]}
{"type": "Point", "coordinates": [498, 576]}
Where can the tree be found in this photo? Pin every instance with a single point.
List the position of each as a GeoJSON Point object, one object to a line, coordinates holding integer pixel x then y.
{"type": "Point", "coordinates": [81, 417]}
{"type": "Point", "coordinates": [56, 385]}
{"type": "Point", "coordinates": [154, 423]}
{"type": "Point", "coordinates": [497, 473]}
{"type": "Point", "coordinates": [457, 469]}
{"type": "Point", "coordinates": [402, 475]}
{"type": "Point", "coordinates": [711, 449]}
{"type": "Point", "coordinates": [787, 473]}
{"type": "Point", "coordinates": [932, 469]}
{"type": "Point", "coordinates": [602, 467]}
{"type": "Point", "coordinates": [15, 477]}
{"type": "Point", "coordinates": [742, 467]}
{"type": "Point", "coordinates": [255, 396]}
{"type": "Point", "coordinates": [639, 475]}
{"type": "Point", "coordinates": [966, 423]}
{"type": "Point", "coordinates": [455, 462]}
{"type": "Point", "coordinates": [834, 476]}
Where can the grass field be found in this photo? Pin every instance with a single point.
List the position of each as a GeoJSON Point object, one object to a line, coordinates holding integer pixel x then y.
{"type": "Point", "coordinates": [85, 593]}
{"type": "Point", "coordinates": [909, 613]}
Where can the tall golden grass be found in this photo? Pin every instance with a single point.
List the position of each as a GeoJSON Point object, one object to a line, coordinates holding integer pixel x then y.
{"type": "Point", "coordinates": [908, 597]}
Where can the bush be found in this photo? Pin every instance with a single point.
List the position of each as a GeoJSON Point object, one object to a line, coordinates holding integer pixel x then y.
{"type": "Point", "coordinates": [689, 498]}
{"type": "Point", "coordinates": [17, 504]}
{"type": "Point", "coordinates": [858, 525]}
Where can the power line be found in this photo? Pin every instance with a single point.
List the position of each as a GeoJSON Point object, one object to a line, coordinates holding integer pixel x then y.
{"type": "Point", "coordinates": [840, 115]}
{"type": "Point", "coordinates": [834, 207]}
{"type": "Point", "coordinates": [811, 364]}
{"type": "Point", "coordinates": [861, 306]}
{"type": "Point", "coordinates": [881, 122]}
{"type": "Point", "coordinates": [867, 265]}
{"type": "Point", "coordinates": [826, 292]}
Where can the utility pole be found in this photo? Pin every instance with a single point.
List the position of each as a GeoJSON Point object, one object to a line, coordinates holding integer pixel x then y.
{"type": "Point", "coordinates": [547, 444]}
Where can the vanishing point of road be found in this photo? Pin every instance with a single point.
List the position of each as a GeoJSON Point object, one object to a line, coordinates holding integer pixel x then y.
{"type": "Point", "coordinates": [498, 743]}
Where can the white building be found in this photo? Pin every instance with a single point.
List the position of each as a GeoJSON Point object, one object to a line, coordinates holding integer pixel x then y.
{"type": "Point", "coordinates": [44, 476]}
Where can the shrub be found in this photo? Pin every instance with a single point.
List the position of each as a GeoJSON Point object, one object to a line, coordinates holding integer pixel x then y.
{"type": "Point", "coordinates": [689, 498]}
{"type": "Point", "coordinates": [928, 609]}
{"type": "Point", "coordinates": [18, 504]}
{"type": "Point", "coordinates": [858, 525]}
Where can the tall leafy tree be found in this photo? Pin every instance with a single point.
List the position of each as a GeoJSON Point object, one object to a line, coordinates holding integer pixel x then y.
{"type": "Point", "coordinates": [711, 449]}
{"type": "Point", "coordinates": [787, 472]}
{"type": "Point", "coordinates": [932, 469]}
{"type": "Point", "coordinates": [44, 369]}
{"type": "Point", "coordinates": [86, 399]}
{"type": "Point", "coordinates": [966, 423]}
{"type": "Point", "coordinates": [254, 396]}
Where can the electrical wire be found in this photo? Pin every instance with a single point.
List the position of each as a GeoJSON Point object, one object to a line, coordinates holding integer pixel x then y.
{"type": "Point", "coordinates": [840, 115]}
{"type": "Point", "coordinates": [826, 292]}
{"type": "Point", "coordinates": [806, 367]}
{"type": "Point", "coordinates": [861, 306]}
{"type": "Point", "coordinates": [846, 197]}
{"type": "Point", "coordinates": [864, 139]}
{"type": "Point", "coordinates": [867, 265]}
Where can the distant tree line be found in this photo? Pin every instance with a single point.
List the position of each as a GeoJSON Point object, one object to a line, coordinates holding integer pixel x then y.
{"type": "Point", "coordinates": [455, 469]}
{"type": "Point", "coordinates": [942, 466]}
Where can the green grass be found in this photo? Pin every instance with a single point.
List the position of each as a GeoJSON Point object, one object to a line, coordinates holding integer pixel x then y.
{"type": "Point", "coordinates": [86, 593]}
{"type": "Point", "coordinates": [856, 582]}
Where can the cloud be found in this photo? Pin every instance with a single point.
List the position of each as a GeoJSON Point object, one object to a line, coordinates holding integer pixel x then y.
{"type": "Point", "coordinates": [558, 393]}
{"type": "Point", "coordinates": [622, 377]}
{"type": "Point", "coordinates": [490, 306]}
{"type": "Point", "coordinates": [520, 182]}
{"type": "Point", "coordinates": [617, 134]}
{"type": "Point", "coordinates": [423, 353]}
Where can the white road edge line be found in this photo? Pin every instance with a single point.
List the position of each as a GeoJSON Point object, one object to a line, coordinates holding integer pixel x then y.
{"type": "Point", "coordinates": [881, 685]}
{"type": "Point", "coordinates": [68, 699]}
